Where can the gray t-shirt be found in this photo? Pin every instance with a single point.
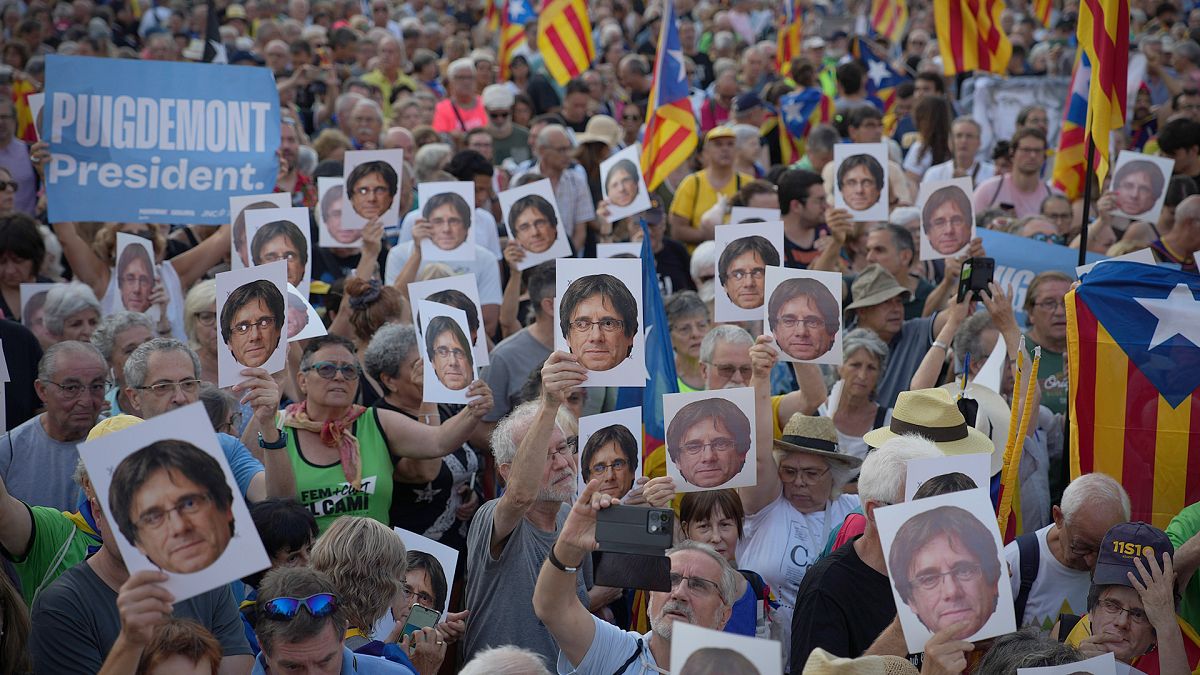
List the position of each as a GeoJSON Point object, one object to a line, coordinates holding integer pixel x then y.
{"type": "Point", "coordinates": [37, 469]}
{"type": "Point", "coordinates": [513, 360]}
{"type": "Point", "coordinates": [904, 357]}
{"type": "Point", "coordinates": [500, 590]}
{"type": "Point", "coordinates": [75, 622]}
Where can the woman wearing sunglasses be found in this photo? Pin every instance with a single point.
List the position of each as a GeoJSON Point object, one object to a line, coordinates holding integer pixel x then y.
{"type": "Point", "coordinates": [342, 452]}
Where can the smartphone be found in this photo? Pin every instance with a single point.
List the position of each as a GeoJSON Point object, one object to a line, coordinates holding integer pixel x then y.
{"type": "Point", "coordinates": [976, 274]}
{"type": "Point", "coordinates": [325, 57]}
{"type": "Point", "coordinates": [420, 617]}
{"type": "Point", "coordinates": [634, 529]}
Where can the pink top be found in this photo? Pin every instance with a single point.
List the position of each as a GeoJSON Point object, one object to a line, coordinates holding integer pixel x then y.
{"type": "Point", "coordinates": [449, 116]}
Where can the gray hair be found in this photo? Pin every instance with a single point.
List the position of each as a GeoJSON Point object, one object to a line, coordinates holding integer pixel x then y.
{"type": "Point", "coordinates": [389, 348]}
{"type": "Point", "coordinates": [1026, 648]}
{"type": "Point", "coordinates": [465, 63]}
{"type": "Point", "coordinates": [726, 332]}
{"type": "Point", "coordinates": [969, 338]}
{"type": "Point", "coordinates": [723, 40]}
{"type": "Point", "coordinates": [368, 103]}
{"type": "Point", "coordinates": [543, 137]}
{"type": "Point", "coordinates": [429, 159]}
{"type": "Point", "coordinates": [723, 64]}
{"type": "Point", "coordinates": [64, 300]}
{"type": "Point", "coordinates": [882, 476]}
{"type": "Point", "coordinates": [105, 337]}
{"type": "Point", "coordinates": [346, 102]}
{"type": "Point", "coordinates": [1189, 50]}
{"type": "Point", "coordinates": [729, 576]}
{"type": "Point", "coordinates": [967, 119]}
{"type": "Point", "coordinates": [864, 338]}
{"type": "Point", "coordinates": [683, 304]}
{"type": "Point", "coordinates": [1093, 489]}
{"type": "Point", "coordinates": [823, 137]}
{"type": "Point", "coordinates": [745, 132]}
{"type": "Point", "coordinates": [49, 363]}
{"type": "Point", "coordinates": [904, 216]}
{"type": "Point", "coordinates": [137, 366]}
{"type": "Point", "coordinates": [506, 660]}
{"type": "Point", "coordinates": [504, 436]}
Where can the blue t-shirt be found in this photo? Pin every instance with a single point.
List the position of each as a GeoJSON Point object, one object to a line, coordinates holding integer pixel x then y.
{"type": "Point", "coordinates": [243, 464]}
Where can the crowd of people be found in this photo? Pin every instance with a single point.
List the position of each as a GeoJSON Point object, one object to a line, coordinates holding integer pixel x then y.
{"type": "Point", "coordinates": [340, 447]}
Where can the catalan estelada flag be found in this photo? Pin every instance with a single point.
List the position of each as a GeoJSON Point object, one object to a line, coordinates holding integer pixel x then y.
{"type": "Point", "coordinates": [1103, 34]}
{"type": "Point", "coordinates": [800, 112]}
{"type": "Point", "coordinates": [565, 38]}
{"type": "Point", "coordinates": [1070, 162]}
{"type": "Point", "coordinates": [882, 79]}
{"type": "Point", "coordinates": [889, 18]}
{"type": "Point", "coordinates": [671, 128]}
{"type": "Point", "coordinates": [512, 31]}
{"type": "Point", "coordinates": [1133, 341]}
{"type": "Point", "coordinates": [969, 35]}
{"type": "Point", "coordinates": [791, 32]}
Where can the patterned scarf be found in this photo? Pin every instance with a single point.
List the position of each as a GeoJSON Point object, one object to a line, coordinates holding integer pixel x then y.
{"type": "Point", "coordinates": [334, 434]}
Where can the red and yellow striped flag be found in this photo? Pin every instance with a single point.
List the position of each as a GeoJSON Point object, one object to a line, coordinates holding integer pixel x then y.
{"type": "Point", "coordinates": [565, 38]}
{"type": "Point", "coordinates": [791, 32]}
{"type": "Point", "coordinates": [970, 37]}
{"type": "Point", "coordinates": [1135, 384]}
{"type": "Point", "coordinates": [889, 18]}
{"type": "Point", "coordinates": [1104, 36]}
{"type": "Point", "coordinates": [512, 32]}
{"type": "Point", "coordinates": [492, 14]}
{"type": "Point", "coordinates": [1041, 10]}
{"type": "Point", "coordinates": [671, 128]}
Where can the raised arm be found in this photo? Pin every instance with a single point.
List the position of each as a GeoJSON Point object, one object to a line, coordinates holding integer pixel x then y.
{"type": "Point", "coordinates": [927, 373]}
{"type": "Point", "coordinates": [410, 438]}
{"type": "Point", "coordinates": [840, 225]}
{"type": "Point", "coordinates": [196, 261]}
{"type": "Point", "coordinates": [421, 231]}
{"type": "Point", "coordinates": [510, 322]}
{"type": "Point", "coordinates": [88, 267]}
{"type": "Point", "coordinates": [808, 397]}
{"type": "Point", "coordinates": [763, 356]}
{"type": "Point", "coordinates": [261, 393]}
{"type": "Point", "coordinates": [16, 524]}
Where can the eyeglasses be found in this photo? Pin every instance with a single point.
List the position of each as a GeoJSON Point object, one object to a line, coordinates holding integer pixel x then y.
{"type": "Point", "coordinates": [285, 609]}
{"type": "Point", "coordinates": [424, 599]}
{"type": "Point", "coordinates": [721, 445]}
{"type": "Point", "coordinates": [206, 318]}
{"type": "Point", "coordinates": [727, 370]}
{"type": "Point", "coordinates": [453, 353]}
{"type": "Point", "coordinates": [72, 390]}
{"type": "Point", "coordinates": [694, 327]}
{"type": "Point", "coordinates": [1048, 238]}
{"type": "Point", "coordinates": [963, 573]}
{"type": "Point", "coordinates": [378, 191]}
{"type": "Point", "coordinates": [1030, 151]}
{"type": "Point", "coordinates": [453, 221]}
{"type": "Point", "coordinates": [9, 185]}
{"type": "Point", "coordinates": [601, 469]}
{"type": "Point", "coordinates": [1137, 188]}
{"type": "Point", "coordinates": [262, 323]}
{"type": "Point", "coordinates": [695, 584]}
{"type": "Point", "coordinates": [188, 505]}
{"type": "Point", "coordinates": [188, 387]}
{"type": "Point", "coordinates": [1114, 609]}
{"type": "Point", "coordinates": [1050, 305]}
{"type": "Point", "coordinates": [136, 280]}
{"type": "Point", "coordinates": [756, 274]}
{"type": "Point", "coordinates": [858, 183]}
{"type": "Point", "coordinates": [952, 221]}
{"type": "Point", "coordinates": [328, 370]}
{"type": "Point", "coordinates": [569, 447]}
{"type": "Point", "coordinates": [499, 114]}
{"type": "Point", "coordinates": [606, 325]}
{"type": "Point", "coordinates": [809, 476]}
{"type": "Point", "coordinates": [529, 225]}
{"type": "Point", "coordinates": [810, 322]}
{"type": "Point", "coordinates": [275, 257]}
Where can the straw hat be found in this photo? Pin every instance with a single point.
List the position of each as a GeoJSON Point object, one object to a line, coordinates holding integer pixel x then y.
{"type": "Point", "coordinates": [821, 662]}
{"type": "Point", "coordinates": [992, 418]}
{"type": "Point", "coordinates": [932, 414]}
{"type": "Point", "coordinates": [600, 129]}
{"type": "Point", "coordinates": [814, 436]}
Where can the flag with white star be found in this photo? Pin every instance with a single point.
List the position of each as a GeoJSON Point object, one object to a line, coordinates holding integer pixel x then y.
{"type": "Point", "coordinates": [881, 80]}
{"type": "Point", "coordinates": [1133, 343]}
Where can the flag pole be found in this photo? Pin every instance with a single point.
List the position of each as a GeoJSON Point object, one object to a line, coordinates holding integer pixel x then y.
{"type": "Point", "coordinates": [1087, 198]}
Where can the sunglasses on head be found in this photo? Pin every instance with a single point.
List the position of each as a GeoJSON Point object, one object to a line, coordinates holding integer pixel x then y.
{"type": "Point", "coordinates": [285, 609]}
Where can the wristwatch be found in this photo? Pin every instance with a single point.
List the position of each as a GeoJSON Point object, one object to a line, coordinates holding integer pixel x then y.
{"type": "Point", "coordinates": [277, 445]}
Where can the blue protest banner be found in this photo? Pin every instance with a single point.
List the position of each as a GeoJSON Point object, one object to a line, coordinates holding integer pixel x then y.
{"type": "Point", "coordinates": [156, 142]}
{"type": "Point", "coordinates": [1019, 260]}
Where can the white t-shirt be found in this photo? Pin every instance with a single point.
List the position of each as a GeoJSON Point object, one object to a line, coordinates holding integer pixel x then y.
{"type": "Point", "coordinates": [980, 172]}
{"type": "Point", "coordinates": [111, 302]}
{"type": "Point", "coordinates": [1057, 589]}
{"type": "Point", "coordinates": [486, 234]}
{"type": "Point", "coordinates": [484, 267]}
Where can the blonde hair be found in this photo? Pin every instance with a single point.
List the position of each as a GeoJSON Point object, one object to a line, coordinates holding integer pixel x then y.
{"type": "Point", "coordinates": [366, 561]}
{"type": "Point", "coordinates": [329, 141]}
{"type": "Point", "coordinates": [435, 270]}
{"type": "Point", "coordinates": [105, 242]}
{"type": "Point", "coordinates": [203, 296]}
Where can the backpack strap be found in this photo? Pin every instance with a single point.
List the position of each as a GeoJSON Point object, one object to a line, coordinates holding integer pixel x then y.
{"type": "Point", "coordinates": [999, 187]}
{"type": "Point", "coordinates": [629, 661]}
{"type": "Point", "coordinates": [1030, 560]}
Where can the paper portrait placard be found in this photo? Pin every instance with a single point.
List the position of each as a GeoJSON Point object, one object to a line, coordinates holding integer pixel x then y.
{"type": "Point", "coordinates": [444, 555]}
{"type": "Point", "coordinates": [1105, 664]}
{"type": "Point", "coordinates": [449, 362]}
{"type": "Point", "coordinates": [696, 650]}
{"type": "Point", "coordinates": [187, 480]}
{"type": "Point", "coordinates": [860, 180]}
{"type": "Point", "coordinates": [740, 214]}
{"type": "Point", "coordinates": [239, 243]}
{"type": "Point", "coordinates": [282, 234]}
{"type": "Point", "coordinates": [532, 219]}
{"type": "Point", "coordinates": [946, 565]}
{"type": "Point", "coordinates": [1142, 255]}
{"type": "Point", "coordinates": [947, 217]}
{"type": "Point", "coordinates": [803, 312]}
{"type": "Point", "coordinates": [614, 249]}
{"type": "Point", "coordinates": [136, 275]}
{"type": "Point", "coordinates": [623, 185]}
{"type": "Point", "coordinates": [450, 209]}
{"type": "Point", "coordinates": [744, 253]}
{"type": "Point", "coordinates": [33, 302]}
{"type": "Point", "coordinates": [331, 203]}
{"type": "Point", "coordinates": [1139, 184]}
{"type": "Point", "coordinates": [261, 311]}
{"type": "Point", "coordinates": [608, 294]}
{"type": "Point", "coordinates": [695, 421]}
{"type": "Point", "coordinates": [620, 427]}
{"type": "Point", "coordinates": [372, 180]}
{"type": "Point", "coordinates": [976, 466]}
{"type": "Point", "coordinates": [303, 322]}
{"type": "Point", "coordinates": [462, 291]}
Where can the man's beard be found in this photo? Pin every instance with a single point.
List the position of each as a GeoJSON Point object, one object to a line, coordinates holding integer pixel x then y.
{"type": "Point", "coordinates": [664, 627]}
{"type": "Point", "coordinates": [566, 493]}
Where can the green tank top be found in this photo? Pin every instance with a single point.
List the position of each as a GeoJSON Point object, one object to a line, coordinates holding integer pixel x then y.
{"type": "Point", "coordinates": [325, 490]}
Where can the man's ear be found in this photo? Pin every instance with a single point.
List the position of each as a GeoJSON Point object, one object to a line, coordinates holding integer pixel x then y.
{"type": "Point", "coordinates": [135, 400]}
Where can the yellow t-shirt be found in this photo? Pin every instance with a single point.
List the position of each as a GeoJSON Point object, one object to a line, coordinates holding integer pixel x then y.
{"type": "Point", "coordinates": [696, 195]}
{"type": "Point", "coordinates": [377, 78]}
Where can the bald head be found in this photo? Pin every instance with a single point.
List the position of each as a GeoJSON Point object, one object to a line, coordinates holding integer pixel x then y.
{"type": "Point", "coordinates": [1187, 214]}
{"type": "Point", "coordinates": [399, 137]}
